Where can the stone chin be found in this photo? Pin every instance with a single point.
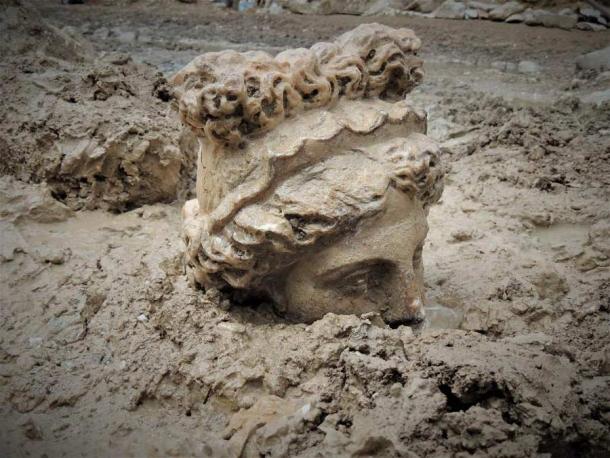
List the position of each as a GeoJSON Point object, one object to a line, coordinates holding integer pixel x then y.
{"type": "Point", "coordinates": [325, 211]}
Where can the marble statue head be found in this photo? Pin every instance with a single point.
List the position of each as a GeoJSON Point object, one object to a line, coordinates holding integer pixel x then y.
{"type": "Point", "coordinates": [314, 175]}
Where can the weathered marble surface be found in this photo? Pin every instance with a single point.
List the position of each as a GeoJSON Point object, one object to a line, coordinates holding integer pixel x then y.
{"type": "Point", "coordinates": [314, 175]}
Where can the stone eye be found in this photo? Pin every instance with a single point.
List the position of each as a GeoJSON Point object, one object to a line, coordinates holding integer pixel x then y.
{"type": "Point", "coordinates": [356, 284]}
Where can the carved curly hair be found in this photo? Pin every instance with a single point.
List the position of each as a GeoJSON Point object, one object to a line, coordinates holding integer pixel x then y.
{"type": "Point", "coordinates": [225, 96]}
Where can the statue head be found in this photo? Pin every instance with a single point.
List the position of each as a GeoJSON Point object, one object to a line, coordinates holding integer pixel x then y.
{"type": "Point", "coordinates": [314, 175]}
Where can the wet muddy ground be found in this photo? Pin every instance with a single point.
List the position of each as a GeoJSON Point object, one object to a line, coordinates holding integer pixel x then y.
{"type": "Point", "coordinates": [105, 350]}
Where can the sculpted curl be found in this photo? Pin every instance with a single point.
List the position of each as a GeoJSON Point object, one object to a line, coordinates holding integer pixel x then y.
{"type": "Point", "coordinates": [228, 95]}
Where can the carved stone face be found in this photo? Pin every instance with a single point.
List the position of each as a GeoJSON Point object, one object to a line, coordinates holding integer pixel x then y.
{"type": "Point", "coordinates": [375, 268]}
{"type": "Point", "coordinates": [314, 176]}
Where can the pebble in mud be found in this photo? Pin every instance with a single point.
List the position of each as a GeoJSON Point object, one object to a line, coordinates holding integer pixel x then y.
{"type": "Point", "coordinates": [528, 67]}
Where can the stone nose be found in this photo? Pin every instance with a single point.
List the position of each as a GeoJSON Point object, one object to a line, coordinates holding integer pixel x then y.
{"type": "Point", "coordinates": [415, 309]}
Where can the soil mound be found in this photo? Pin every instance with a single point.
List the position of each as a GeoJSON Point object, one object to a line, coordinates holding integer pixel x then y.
{"type": "Point", "coordinates": [98, 130]}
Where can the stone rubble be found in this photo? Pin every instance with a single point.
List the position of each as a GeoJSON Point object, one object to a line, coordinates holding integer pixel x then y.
{"type": "Point", "coordinates": [451, 10]}
{"type": "Point", "coordinates": [503, 12]}
{"type": "Point", "coordinates": [580, 15]}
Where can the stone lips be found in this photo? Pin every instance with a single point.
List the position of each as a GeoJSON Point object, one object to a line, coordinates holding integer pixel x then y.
{"type": "Point", "coordinates": [228, 96]}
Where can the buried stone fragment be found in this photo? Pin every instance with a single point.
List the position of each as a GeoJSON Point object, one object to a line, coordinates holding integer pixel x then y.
{"type": "Point", "coordinates": [314, 175]}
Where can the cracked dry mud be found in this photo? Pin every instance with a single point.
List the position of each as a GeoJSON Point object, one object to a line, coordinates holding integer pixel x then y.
{"type": "Point", "coordinates": [106, 350]}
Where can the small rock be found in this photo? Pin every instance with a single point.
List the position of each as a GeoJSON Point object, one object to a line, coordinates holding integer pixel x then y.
{"type": "Point", "coordinates": [425, 6]}
{"type": "Point", "coordinates": [35, 341]}
{"type": "Point", "coordinates": [450, 10]}
{"type": "Point", "coordinates": [504, 66]}
{"type": "Point", "coordinates": [589, 14]}
{"type": "Point", "coordinates": [519, 307]}
{"type": "Point", "coordinates": [406, 334]}
{"type": "Point", "coordinates": [482, 6]}
{"type": "Point", "coordinates": [313, 415]}
{"type": "Point", "coordinates": [590, 27]}
{"type": "Point", "coordinates": [47, 254]}
{"type": "Point", "coordinates": [142, 318]}
{"type": "Point", "coordinates": [502, 12]}
{"type": "Point", "coordinates": [560, 21]}
{"type": "Point", "coordinates": [234, 328]}
{"type": "Point", "coordinates": [515, 19]}
{"type": "Point", "coordinates": [124, 36]}
{"type": "Point", "coordinates": [396, 390]}
{"type": "Point", "coordinates": [544, 184]}
{"type": "Point", "coordinates": [528, 67]}
{"type": "Point", "coordinates": [548, 19]}
{"type": "Point", "coordinates": [471, 13]}
{"type": "Point", "coordinates": [531, 17]}
{"type": "Point", "coordinates": [499, 65]}
{"type": "Point", "coordinates": [119, 58]}
{"type": "Point", "coordinates": [537, 152]}
{"type": "Point", "coordinates": [575, 83]}
{"type": "Point", "coordinates": [461, 236]}
{"type": "Point", "coordinates": [381, 8]}
{"type": "Point", "coordinates": [151, 212]}
{"type": "Point", "coordinates": [31, 430]}
{"type": "Point", "coordinates": [374, 318]}
{"type": "Point", "coordinates": [596, 60]}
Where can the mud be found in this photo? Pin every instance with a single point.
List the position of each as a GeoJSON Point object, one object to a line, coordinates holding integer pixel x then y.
{"type": "Point", "coordinates": [95, 129]}
{"type": "Point", "coordinates": [106, 349]}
